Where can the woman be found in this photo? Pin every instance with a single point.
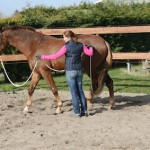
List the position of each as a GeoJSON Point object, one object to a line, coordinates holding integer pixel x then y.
{"type": "Point", "coordinates": [74, 72]}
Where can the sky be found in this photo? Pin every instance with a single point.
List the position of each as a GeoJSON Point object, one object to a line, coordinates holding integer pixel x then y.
{"type": "Point", "coordinates": [7, 8]}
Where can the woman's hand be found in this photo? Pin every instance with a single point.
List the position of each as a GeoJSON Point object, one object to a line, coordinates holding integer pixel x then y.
{"type": "Point", "coordinates": [38, 57]}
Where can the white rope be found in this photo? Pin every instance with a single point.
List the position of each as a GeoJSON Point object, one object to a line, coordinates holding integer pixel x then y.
{"type": "Point", "coordinates": [55, 69]}
{"type": "Point", "coordinates": [17, 85]}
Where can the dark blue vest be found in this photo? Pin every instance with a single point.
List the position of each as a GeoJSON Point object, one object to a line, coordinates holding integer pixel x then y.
{"type": "Point", "coordinates": [73, 55]}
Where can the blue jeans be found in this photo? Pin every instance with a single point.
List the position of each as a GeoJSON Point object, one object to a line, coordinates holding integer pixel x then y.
{"type": "Point", "coordinates": [74, 79]}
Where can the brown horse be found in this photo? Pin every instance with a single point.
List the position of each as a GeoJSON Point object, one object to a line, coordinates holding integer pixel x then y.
{"type": "Point", "coordinates": [32, 43]}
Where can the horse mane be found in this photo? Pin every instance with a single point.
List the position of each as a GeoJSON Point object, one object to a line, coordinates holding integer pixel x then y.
{"type": "Point", "coordinates": [18, 27]}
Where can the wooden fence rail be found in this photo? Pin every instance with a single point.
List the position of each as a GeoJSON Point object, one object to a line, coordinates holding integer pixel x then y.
{"type": "Point", "coordinates": [116, 56]}
{"type": "Point", "coordinates": [98, 30]}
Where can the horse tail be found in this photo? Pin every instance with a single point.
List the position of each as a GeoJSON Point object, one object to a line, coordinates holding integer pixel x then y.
{"type": "Point", "coordinates": [103, 73]}
{"type": "Point", "coordinates": [109, 56]}
{"type": "Point", "coordinates": [101, 81]}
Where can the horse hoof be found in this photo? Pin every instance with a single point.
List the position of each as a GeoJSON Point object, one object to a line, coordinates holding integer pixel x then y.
{"type": "Point", "coordinates": [26, 110]}
{"type": "Point", "coordinates": [110, 107]}
{"type": "Point", "coordinates": [58, 111]}
{"type": "Point", "coordinates": [61, 112]}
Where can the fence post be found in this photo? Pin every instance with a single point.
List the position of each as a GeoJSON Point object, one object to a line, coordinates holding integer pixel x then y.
{"type": "Point", "coordinates": [128, 66]}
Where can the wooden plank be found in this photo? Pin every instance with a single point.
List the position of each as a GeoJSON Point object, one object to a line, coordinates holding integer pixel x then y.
{"type": "Point", "coordinates": [19, 57]}
{"type": "Point", "coordinates": [100, 30]}
{"type": "Point", "coordinates": [116, 56]}
{"type": "Point", "coordinates": [131, 56]}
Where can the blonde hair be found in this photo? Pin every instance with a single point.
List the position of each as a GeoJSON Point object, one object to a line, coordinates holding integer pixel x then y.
{"type": "Point", "coordinates": [71, 34]}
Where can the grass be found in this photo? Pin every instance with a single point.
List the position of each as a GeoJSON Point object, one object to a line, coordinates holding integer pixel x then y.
{"type": "Point", "coordinates": [123, 82]}
{"type": "Point", "coordinates": [132, 83]}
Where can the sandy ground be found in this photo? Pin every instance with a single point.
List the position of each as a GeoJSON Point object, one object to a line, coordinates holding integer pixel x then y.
{"type": "Point", "coordinates": [126, 127]}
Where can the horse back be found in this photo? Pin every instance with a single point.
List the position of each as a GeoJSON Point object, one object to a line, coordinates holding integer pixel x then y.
{"type": "Point", "coordinates": [50, 45]}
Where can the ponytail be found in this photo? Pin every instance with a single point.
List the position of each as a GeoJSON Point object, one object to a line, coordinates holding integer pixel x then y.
{"type": "Point", "coordinates": [71, 34]}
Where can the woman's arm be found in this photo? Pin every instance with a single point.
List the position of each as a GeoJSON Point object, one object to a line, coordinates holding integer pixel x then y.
{"type": "Point", "coordinates": [60, 53]}
{"type": "Point", "coordinates": [88, 51]}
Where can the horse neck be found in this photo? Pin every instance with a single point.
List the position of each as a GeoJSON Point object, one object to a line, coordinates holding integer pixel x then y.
{"type": "Point", "coordinates": [23, 41]}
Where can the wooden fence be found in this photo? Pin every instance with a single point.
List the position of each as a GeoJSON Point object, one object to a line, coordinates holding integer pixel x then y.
{"type": "Point", "coordinates": [99, 30]}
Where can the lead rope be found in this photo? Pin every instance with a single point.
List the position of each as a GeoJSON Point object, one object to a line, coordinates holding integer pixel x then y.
{"type": "Point", "coordinates": [17, 85]}
{"type": "Point", "coordinates": [54, 69]}
{"type": "Point", "coordinates": [91, 74]}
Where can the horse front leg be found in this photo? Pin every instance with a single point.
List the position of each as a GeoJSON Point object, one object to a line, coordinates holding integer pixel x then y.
{"type": "Point", "coordinates": [47, 75]}
{"type": "Point", "coordinates": [34, 81]}
{"type": "Point", "coordinates": [109, 84]}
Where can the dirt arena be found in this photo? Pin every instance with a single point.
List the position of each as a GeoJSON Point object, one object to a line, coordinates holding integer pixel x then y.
{"type": "Point", "coordinates": [126, 127]}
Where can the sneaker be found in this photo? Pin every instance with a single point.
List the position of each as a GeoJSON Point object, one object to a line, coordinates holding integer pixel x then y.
{"type": "Point", "coordinates": [84, 114]}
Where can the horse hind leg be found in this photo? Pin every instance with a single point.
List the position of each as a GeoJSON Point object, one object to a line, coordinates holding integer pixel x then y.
{"type": "Point", "coordinates": [48, 77]}
{"type": "Point", "coordinates": [90, 96]}
{"type": "Point", "coordinates": [34, 81]}
{"type": "Point", "coordinates": [97, 85]}
{"type": "Point", "coordinates": [109, 84]}
{"type": "Point", "coordinates": [89, 99]}
{"type": "Point", "coordinates": [103, 78]}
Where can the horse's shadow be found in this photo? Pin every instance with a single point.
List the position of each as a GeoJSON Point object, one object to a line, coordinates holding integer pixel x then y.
{"type": "Point", "coordinates": [100, 105]}
{"type": "Point", "coordinates": [121, 102]}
